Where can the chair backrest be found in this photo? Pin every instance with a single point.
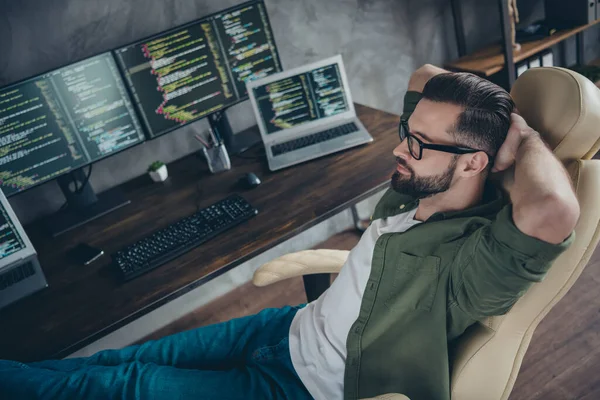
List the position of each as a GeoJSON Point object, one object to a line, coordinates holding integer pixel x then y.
{"type": "Point", "coordinates": [565, 108]}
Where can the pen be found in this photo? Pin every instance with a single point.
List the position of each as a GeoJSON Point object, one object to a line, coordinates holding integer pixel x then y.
{"type": "Point", "coordinates": [213, 136]}
{"type": "Point", "coordinates": [217, 135]}
{"type": "Point", "coordinates": [197, 136]}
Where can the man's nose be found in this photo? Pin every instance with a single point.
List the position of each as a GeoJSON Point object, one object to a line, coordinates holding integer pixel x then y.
{"type": "Point", "coordinates": [401, 150]}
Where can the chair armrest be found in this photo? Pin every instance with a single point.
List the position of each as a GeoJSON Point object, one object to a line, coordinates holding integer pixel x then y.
{"type": "Point", "coordinates": [300, 263]}
{"type": "Point", "coordinates": [389, 396]}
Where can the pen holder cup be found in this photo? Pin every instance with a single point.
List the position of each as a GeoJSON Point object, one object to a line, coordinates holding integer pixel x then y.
{"type": "Point", "coordinates": [217, 158]}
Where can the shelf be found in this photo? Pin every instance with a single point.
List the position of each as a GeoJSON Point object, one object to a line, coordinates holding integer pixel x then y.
{"type": "Point", "coordinates": [589, 70]}
{"type": "Point", "coordinates": [596, 62]}
{"type": "Point", "coordinates": [490, 60]}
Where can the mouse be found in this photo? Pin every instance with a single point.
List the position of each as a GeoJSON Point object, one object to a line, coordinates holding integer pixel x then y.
{"type": "Point", "coordinates": [250, 180]}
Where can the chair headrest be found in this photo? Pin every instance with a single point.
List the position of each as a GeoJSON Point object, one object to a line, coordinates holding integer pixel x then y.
{"type": "Point", "coordinates": [564, 107]}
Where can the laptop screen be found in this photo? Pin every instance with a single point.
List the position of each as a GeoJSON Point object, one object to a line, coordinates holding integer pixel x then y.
{"type": "Point", "coordinates": [10, 240]}
{"type": "Point", "coordinates": [301, 98]}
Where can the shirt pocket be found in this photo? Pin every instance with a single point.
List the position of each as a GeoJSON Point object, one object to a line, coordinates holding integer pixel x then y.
{"type": "Point", "coordinates": [415, 283]}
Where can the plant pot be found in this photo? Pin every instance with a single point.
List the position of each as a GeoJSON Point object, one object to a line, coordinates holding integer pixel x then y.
{"type": "Point", "coordinates": [160, 175]}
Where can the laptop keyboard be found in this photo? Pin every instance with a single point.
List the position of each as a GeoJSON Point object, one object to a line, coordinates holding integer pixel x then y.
{"type": "Point", "coordinates": [315, 138]}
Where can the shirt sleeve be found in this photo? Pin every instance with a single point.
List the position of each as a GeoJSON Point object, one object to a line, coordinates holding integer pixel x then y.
{"type": "Point", "coordinates": [411, 99]}
{"type": "Point", "coordinates": [497, 264]}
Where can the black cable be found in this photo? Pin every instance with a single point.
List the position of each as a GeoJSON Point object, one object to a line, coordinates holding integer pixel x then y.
{"type": "Point", "coordinates": [72, 175]}
{"type": "Point", "coordinates": [87, 179]}
{"type": "Point", "coordinates": [75, 183]}
{"type": "Point", "coordinates": [262, 153]}
{"type": "Point", "coordinates": [64, 205]}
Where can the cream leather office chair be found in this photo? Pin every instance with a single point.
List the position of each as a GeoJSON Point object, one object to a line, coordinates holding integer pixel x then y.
{"type": "Point", "coordinates": [565, 108]}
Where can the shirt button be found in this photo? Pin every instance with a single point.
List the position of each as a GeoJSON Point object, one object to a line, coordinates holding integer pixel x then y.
{"type": "Point", "coordinates": [402, 206]}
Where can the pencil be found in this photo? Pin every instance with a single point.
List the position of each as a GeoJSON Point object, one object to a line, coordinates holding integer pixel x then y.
{"type": "Point", "coordinates": [197, 136]}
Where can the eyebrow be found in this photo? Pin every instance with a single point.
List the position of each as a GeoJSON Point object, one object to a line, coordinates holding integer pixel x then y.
{"type": "Point", "coordinates": [424, 136]}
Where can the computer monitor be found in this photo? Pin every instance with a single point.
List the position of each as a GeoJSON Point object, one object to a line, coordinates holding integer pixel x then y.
{"type": "Point", "coordinates": [63, 120]}
{"type": "Point", "coordinates": [301, 97]}
{"type": "Point", "coordinates": [20, 271]}
{"type": "Point", "coordinates": [198, 69]}
{"type": "Point", "coordinates": [55, 123]}
{"type": "Point", "coordinates": [11, 241]}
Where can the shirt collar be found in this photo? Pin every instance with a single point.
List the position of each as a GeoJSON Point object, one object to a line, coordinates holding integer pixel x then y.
{"type": "Point", "coordinates": [393, 203]}
{"type": "Point", "coordinates": [492, 202]}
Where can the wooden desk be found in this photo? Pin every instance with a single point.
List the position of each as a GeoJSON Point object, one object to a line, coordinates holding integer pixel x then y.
{"type": "Point", "coordinates": [82, 304]}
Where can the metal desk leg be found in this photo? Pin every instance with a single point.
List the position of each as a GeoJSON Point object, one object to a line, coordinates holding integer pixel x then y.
{"type": "Point", "coordinates": [360, 225]}
{"type": "Point", "coordinates": [507, 44]}
{"type": "Point", "coordinates": [458, 27]}
{"type": "Point", "coordinates": [315, 285]}
{"type": "Point", "coordinates": [580, 46]}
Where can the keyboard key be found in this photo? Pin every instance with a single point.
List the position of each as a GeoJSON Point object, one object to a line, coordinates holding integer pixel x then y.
{"type": "Point", "coordinates": [314, 138]}
{"type": "Point", "coordinates": [182, 236]}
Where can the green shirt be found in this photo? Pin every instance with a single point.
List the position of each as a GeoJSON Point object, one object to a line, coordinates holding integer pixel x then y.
{"type": "Point", "coordinates": [431, 282]}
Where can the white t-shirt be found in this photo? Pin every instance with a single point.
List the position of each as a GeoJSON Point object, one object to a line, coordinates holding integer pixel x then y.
{"type": "Point", "coordinates": [319, 331]}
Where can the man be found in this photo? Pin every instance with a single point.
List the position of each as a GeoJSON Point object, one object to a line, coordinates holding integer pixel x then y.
{"type": "Point", "coordinates": [444, 250]}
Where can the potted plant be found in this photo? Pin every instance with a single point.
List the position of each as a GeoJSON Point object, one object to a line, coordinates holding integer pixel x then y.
{"type": "Point", "coordinates": [158, 171]}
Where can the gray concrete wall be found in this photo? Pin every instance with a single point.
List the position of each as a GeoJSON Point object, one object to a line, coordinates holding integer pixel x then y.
{"type": "Point", "coordinates": [381, 41]}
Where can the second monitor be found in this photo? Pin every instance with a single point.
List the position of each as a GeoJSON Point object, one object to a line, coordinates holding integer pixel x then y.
{"type": "Point", "coordinates": [57, 122]}
{"type": "Point", "coordinates": [192, 71]}
{"type": "Point", "coordinates": [306, 112]}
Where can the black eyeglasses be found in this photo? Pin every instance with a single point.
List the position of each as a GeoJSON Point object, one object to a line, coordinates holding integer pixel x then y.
{"type": "Point", "coordinates": [416, 146]}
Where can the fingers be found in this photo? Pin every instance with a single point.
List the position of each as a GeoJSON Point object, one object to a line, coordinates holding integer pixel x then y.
{"type": "Point", "coordinates": [519, 127]}
{"type": "Point", "coordinates": [508, 151]}
{"type": "Point", "coordinates": [505, 158]}
{"type": "Point", "coordinates": [517, 122]}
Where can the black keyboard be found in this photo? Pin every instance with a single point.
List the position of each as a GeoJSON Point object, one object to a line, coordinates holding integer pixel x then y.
{"type": "Point", "coordinates": [182, 236]}
{"type": "Point", "coordinates": [315, 138]}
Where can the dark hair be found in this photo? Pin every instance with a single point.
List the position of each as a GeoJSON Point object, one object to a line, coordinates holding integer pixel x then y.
{"type": "Point", "coordinates": [485, 120]}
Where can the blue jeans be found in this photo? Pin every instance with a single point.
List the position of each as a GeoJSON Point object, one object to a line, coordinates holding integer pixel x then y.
{"type": "Point", "coordinates": [244, 358]}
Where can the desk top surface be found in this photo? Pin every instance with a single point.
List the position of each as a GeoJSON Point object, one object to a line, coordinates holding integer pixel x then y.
{"type": "Point", "coordinates": [84, 303]}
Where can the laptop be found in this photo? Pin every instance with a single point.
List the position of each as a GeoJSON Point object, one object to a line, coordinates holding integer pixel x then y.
{"type": "Point", "coordinates": [20, 271]}
{"type": "Point", "coordinates": [305, 113]}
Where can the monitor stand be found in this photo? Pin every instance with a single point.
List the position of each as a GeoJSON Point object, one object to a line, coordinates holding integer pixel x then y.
{"type": "Point", "coordinates": [83, 205]}
{"type": "Point", "coordinates": [235, 143]}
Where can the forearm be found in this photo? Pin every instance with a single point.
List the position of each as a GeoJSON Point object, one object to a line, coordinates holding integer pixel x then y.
{"type": "Point", "coordinates": [537, 173]}
{"type": "Point", "coordinates": [544, 204]}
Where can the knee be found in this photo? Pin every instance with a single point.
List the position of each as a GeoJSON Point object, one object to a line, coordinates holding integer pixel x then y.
{"type": "Point", "coordinates": [8, 365]}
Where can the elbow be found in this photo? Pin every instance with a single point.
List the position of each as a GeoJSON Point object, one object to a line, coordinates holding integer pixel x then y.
{"type": "Point", "coordinates": [572, 212]}
{"type": "Point", "coordinates": [419, 78]}
{"type": "Point", "coordinates": [567, 211]}
{"type": "Point", "coordinates": [551, 220]}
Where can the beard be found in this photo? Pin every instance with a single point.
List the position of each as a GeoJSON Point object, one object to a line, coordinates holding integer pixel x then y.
{"type": "Point", "coordinates": [422, 187]}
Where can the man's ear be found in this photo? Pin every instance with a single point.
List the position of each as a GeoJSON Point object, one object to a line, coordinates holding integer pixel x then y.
{"type": "Point", "coordinates": [474, 164]}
